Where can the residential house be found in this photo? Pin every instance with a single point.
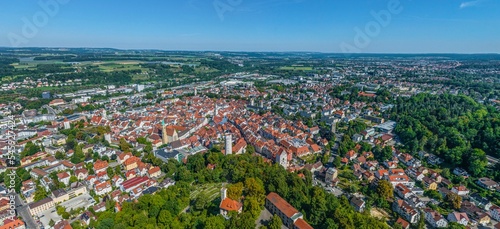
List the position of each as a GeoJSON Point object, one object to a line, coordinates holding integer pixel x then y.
{"type": "Point", "coordinates": [495, 212]}
{"type": "Point", "coordinates": [358, 204]}
{"type": "Point", "coordinates": [81, 174]}
{"type": "Point", "coordinates": [103, 188]}
{"type": "Point", "coordinates": [487, 183]}
{"type": "Point", "coordinates": [404, 224]}
{"type": "Point", "coordinates": [460, 190]}
{"type": "Point", "coordinates": [64, 178]}
{"type": "Point", "coordinates": [154, 172]}
{"type": "Point", "coordinates": [405, 210]}
{"type": "Point", "coordinates": [429, 183]}
{"type": "Point", "coordinates": [459, 217]}
{"type": "Point", "coordinates": [14, 223]}
{"type": "Point", "coordinates": [435, 219]}
{"type": "Point", "coordinates": [227, 204]}
{"type": "Point", "coordinates": [480, 201]}
{"type": "Point", "coordinates": [100, 166]}
{"type": "Point", "coordinates": [402, 191]}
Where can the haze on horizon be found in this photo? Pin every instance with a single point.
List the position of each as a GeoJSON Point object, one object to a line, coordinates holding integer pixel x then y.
{"type": "Point", "coordinates": [381, 26]}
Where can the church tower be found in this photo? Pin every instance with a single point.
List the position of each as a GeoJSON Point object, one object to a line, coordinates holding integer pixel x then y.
{"type": "Point", "coordinates": [164, 132]}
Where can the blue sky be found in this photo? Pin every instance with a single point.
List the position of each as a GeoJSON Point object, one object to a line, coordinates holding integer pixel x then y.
{"type": "Point", "coordinates": [423, 26]}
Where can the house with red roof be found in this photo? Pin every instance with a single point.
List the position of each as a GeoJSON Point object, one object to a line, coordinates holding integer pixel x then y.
{"type": "Point", "coordinates": [133, 183]}
{"type": "Point", "coordinates": [63, 177]}
{"type": "Point", "coordinates": [154, 172]}
{"type": "Point", "coordinates": [13, 224]}
{"type": "Point", "coordinates": [100, 166]}
{"type": "Point", "coordinates": [228, 205]}
{"type": "Point", "coordinates": [103, 188]}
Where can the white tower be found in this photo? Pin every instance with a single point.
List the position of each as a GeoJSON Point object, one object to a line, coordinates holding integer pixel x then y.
{"type": "Point", "coordinates": [104, 113]}
{"type": "Point", "coordinates": [66, 124]}
{"type": "Point", "coordinates": [252, 102]}
{"type": "Point", "coordinates": [282, 159]}
{"type": "Point", "coordinates": [195, 92]}
{"type": "Point", "coordinates": [223, 193]}
{"type": "Point", "coordinates": [216, 109]}
{"type": "Point", "coordinates": [229, 144]}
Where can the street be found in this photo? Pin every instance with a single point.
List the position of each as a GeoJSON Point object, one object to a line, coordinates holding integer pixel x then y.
{"type": "Point", "coordinates": [23, 212]}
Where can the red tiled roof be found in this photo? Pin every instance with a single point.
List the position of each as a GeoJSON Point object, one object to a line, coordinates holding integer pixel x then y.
{"type": "Point", "coordinates": [302, 224]}
{"type": "Point", "coordinates": [134, 182]}
{"type": "Point", "coordinates": [12, 224]}
{"type": "Point", "coordinates": [282, 204]}
{"type": "Point", "coordinates": [98, 165]}
{"type": "Point", "coordinates": [403, 223]}
{"type": "Point", "coordinates": [230, 205]}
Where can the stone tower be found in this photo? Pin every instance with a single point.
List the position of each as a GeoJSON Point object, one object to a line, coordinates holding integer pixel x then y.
{"type": "Point", "coordinates": [164, 132]}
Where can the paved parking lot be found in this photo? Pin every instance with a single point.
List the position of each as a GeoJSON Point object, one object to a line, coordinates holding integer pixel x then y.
{"type": "Point", "coordinates": [77, 202]}
{"type": "Point", "coordinates": [46, 216]}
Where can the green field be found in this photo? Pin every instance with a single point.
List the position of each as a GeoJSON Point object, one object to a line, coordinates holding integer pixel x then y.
{"type": "Point", "coordinates": [296, 68]}
{"type": "Point", "coordinates": [120, 66]}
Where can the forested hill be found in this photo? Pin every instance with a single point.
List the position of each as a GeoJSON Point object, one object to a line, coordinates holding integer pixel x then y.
{"type": "Point", "coordinates": [248, 176]}
{"type": "Point", "coordinates": [454, 127]}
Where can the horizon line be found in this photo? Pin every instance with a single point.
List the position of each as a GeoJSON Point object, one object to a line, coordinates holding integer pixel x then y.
{"type": "Point", "coordinates": [243, 51]}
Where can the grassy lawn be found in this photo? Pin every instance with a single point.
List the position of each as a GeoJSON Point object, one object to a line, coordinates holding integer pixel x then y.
{"type": "Point", "coordinates": [211, 191]}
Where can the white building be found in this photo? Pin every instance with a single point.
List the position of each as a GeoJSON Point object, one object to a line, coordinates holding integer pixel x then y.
{"type": "Point", "coordinates": [435, 219]}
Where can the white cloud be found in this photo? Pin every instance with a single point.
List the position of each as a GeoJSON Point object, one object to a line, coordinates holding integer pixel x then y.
{"type": "Point", "coordinates": [469, 4]}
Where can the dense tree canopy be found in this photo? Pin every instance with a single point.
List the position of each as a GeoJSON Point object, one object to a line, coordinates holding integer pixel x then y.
{"type": "Point", "coordinates": [453, 127]}
{"type": "Point", "coordinates": [255, 177]}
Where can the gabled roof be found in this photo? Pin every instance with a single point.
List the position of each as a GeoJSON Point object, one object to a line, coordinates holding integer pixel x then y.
{"type": "Point", "coordinates": [230, 205]}
{"type": "Point", "coordinates": [282, 204]}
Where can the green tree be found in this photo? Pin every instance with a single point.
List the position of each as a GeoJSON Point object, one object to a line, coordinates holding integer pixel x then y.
{"type": "Point", "coordinates": [318, 206]}
{"type": "Point", "coordinates": [40, 193]}
{"type": "Point", "coordinates": [214, 222]}
{"type": "Point", "coordinates": [454, 200]}
{"type": "Point", "coordinates": [235, 191]}
{"type": "Point", "coordinates": [385, 189]}
{"type": "Point", "coordinates": [60, 155]}
{"type": "Point", "coordinates": [200, 202]}
{"type": "Point", "coordinates": [165, 217]}
{"type": "Point", "coordinates": [23, 174]}
{"type": "Point", "coordinates": [124, 146]}
{"type": "Point", "coordinates": [30, 149]}
{"type": "Point", "coordinates": [478, 162]}
{"type": "Point", "coordinates": [255, 188]}
{"type": "Point", "coordinates": [110, 172]}
{"type": "Point", "coordinates": [454, 225]}
{"type": "Point", "coordinates": [12, 180]}
{"type": "Point", "coordinates": [52, 223]}
{"type": "Point", "coordinates": [73, 179]}
{"type": "Point", "coordinates": [275, 222]}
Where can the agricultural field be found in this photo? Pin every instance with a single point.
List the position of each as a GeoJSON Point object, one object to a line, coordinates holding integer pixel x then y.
{"type": "Point", "coordinates": [296, 68]}
{"type": "Point", "coordinates": [120, 66]}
